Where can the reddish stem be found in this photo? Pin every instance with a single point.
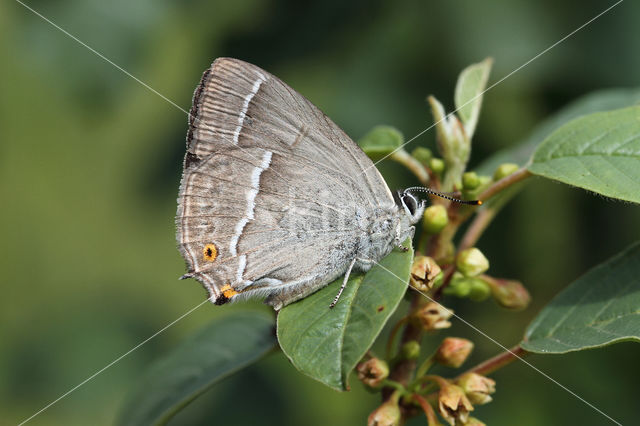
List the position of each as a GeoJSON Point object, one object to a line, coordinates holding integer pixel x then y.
{"type": "Point", "coordinates": [497, 362]}
{"type": "Point", "coordinates": [432, 420]}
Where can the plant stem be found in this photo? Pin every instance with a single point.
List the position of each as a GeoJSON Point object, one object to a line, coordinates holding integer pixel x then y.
{"type": "Point", "coordinates": [476, 228]}
{"type": "Point", "coordinates": [504, 183]}
{"type": "Point", "coordinates": [393, 333]}
{"type": "Point", "coordinates": [395, 385]}
{"type": "Point", "coordinates": [497, 362]}
{"type": "Point", "coordinates": [401, 156]}
{"type": "Point", "coordinates": [424, 367]}
{"type": "Point", "coordinates": [432, 420]}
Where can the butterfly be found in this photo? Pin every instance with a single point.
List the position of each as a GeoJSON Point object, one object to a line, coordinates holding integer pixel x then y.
{"type": "Point", "coordinates": [275, 200]}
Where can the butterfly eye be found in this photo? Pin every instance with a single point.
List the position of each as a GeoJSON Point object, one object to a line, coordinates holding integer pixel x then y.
{"type": "Point", "coordinates": [410, 203]}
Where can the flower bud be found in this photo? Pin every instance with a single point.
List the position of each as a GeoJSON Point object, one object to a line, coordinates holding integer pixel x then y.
{"type": "Point", "coordinates": [433, 316]}
{"type": "Point", "coordinates": [411, 350]}
{"type": "Point", "coordinates": [472, 421]}
{"type": "Point", "coordinates": [435, 218]}
{"type": "Point", "coordinates": [504, 170]}
{"type": "Point", "coordinates": [423, 273]}
{"type": "Point", "coordinates": [477, 388]}
{"type": "Point", "coordinates": [372, 372]}
{"type": "Point", "coordinates": [478, 290]}
{"type": "Point", "coordinates": [453, 351]}
{"type": "Point", "coordinates": [388, 414]}
{"type": "Point", "coordinates": [468, 287]}
{"type": "Point", "coordinates": [472, 262]}
{"type": "Point", "coordinates": [509, 294]}
{"type": "Point", "coordinates": [459, 286]}
{"type": "Point", "coordinates": [453, 404]}
{"type": "Point", "coordinates": [422, 154]}
{"type": "Point", "coordinates": [436, 165]}
{"type": "Point", "coordinates": [470, 180]}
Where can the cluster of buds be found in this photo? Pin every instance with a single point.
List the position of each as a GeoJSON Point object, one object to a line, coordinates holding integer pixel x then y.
{"type": "Point", "coordinates": [456, 400]}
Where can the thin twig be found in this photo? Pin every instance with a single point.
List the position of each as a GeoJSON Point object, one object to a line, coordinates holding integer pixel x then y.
{"type": "Point", "coordinates": [476, 228]}
{"type": "Point", "coordinates": [504, 183]}
{"type": "Point", "coordinates": [432, 420]}
{"type": "Point", "coordinates": [413, 165]}
{"type": "Point", "coordinates": [497, 362]}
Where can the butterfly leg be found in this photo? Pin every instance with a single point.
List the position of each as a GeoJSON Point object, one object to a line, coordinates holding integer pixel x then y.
{"type": "Point", "coordinates": [398, 243]}
{"type": "Point", "coordinates": [344, 284]}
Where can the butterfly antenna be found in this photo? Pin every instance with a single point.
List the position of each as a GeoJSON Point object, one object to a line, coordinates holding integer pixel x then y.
{"type": "Point", "coordinates": [443, 195]}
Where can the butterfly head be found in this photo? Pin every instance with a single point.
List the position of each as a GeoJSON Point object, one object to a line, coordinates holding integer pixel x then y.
{"type": "Point", "coordinates": [412, 207]}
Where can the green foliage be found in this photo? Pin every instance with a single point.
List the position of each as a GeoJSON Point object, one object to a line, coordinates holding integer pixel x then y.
{"type": "Point", "coordinates": [468, 95]}
{"type": "Point", "coordinates": [599, 152]}
{"type": "Point", "coordinates": [381, 141]}
{"type": "Point", "coordinates": [603, 100]}
{"type": "Point", "coordinates": [327, 343]}
{"type": "Point", "coordinates": [226, 345]}
{"type": "Point", "coordinates": [600, 308]}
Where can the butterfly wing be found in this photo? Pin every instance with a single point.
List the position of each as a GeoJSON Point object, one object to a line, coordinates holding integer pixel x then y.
{"type": "Point", "coordinates": [273, 193]}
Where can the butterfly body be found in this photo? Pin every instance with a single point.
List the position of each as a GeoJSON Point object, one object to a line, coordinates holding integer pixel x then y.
{"type": "Point", "coordinates": [275, 200]}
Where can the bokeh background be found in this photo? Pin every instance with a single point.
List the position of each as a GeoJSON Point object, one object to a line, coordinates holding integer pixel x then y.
{"type": "Point", "coordinates": [90, 162]}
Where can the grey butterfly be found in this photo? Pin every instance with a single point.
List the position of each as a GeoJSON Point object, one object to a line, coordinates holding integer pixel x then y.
{"type": "Point", "coordinates": [276, 200]}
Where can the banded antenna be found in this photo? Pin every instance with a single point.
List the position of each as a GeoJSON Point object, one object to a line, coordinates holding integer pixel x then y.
{"type": "Point", "coordinates": [442, 195]}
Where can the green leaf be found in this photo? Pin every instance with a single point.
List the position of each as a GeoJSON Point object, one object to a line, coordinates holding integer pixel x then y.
{"type": "Point", "coordinates": [598, 152]}
{"type": "Point", "coordinates": [226, 345]}
{"type": "Point", "coordinates": [381, 141]}
{"type": "Point", "coordinates": [600, 308]}
{"type": "Point", "coordinates": [468, 95]}
{"type": "Point", "coordinates": [326, 344]}
{"type": "Point", "coordinates": [604, 100]}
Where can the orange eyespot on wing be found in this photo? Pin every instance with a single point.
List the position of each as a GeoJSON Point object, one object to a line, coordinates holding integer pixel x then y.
{"type": "Point", "coordinates": [228, 292]}
{"type": "Point", "coordinates": [210, 252]}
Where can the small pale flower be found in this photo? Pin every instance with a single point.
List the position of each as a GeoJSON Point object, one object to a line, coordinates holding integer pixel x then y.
{"type": "Point", "coordinates": [477, 388]}
{"type": "Point", "coordinates": [453, 404]}
{"type": "Point", "coordinates": [434, 316]}
{"type": "Point", "coordinates": [372, 372]}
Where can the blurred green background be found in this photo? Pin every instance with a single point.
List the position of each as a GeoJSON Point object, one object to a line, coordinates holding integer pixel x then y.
{"type": "Point", "coordinates": [90, 162]}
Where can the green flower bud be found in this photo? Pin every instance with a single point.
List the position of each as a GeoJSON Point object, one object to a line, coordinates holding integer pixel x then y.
{"type": "Point", "coordinates": [410, 350]}
{"type": "Point", "coordinates": [438, 280]}
{"type": "Point", "coordinates": [470, 180]}
{"type": "Point", "coordinates": [422, 154]}
{"type": "Point", "coordinates": [509, 294]}
{"type": "Point", "coordinates": [372, 372]}
{"type": "Point", "coordinates": [453, 351]}
{"type": "Point", "coordinates": [436, 165]}
{"type": "Point", "coordinates": [472, 262]}
{"type": "Point", "coordinates": [477, 388]}
{"type": "Point", "coordinates": [479, 290]}
{"type": "Point", "coordinates": [504, 170]}
{"type": "Point", "coordinates": [459, 286]}
{"type": "Point", "coordinates": [435, 218]}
